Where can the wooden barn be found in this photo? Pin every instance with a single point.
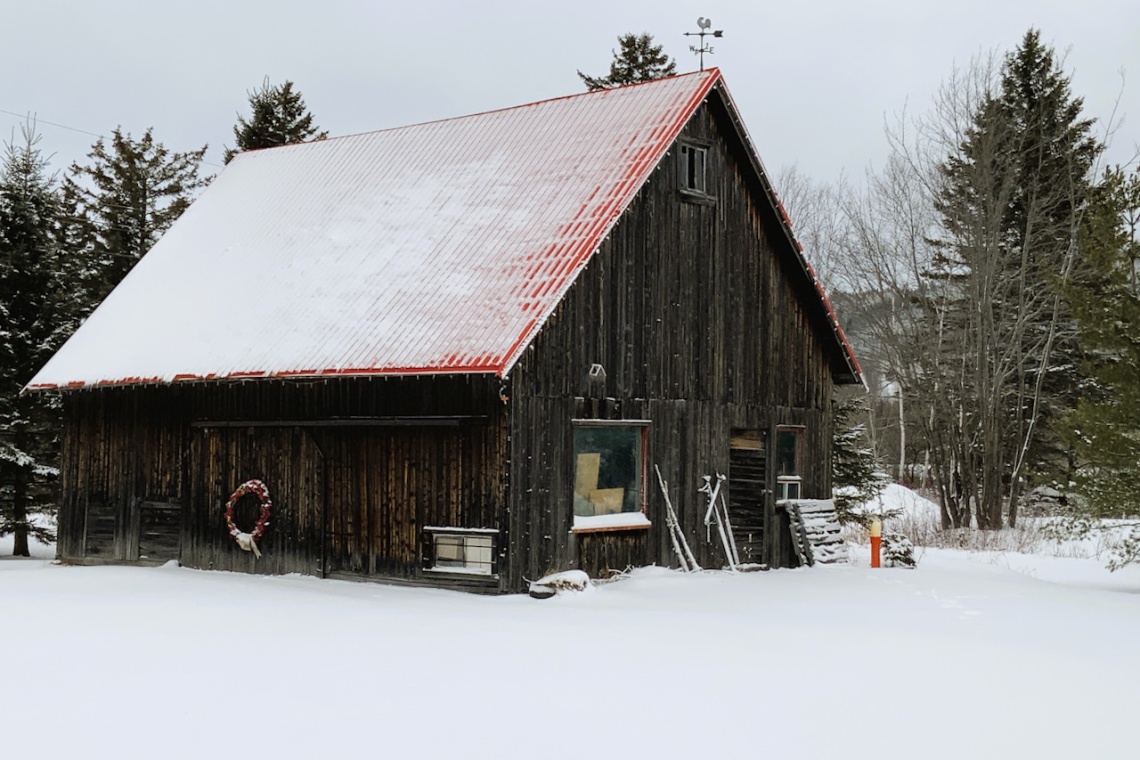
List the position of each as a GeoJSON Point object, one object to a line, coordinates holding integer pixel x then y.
{"type": "Point", "coordinates": [455, 352]}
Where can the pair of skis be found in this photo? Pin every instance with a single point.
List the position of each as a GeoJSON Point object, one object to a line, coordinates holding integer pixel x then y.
{"type": "Point", "coordinates": [718, 513]}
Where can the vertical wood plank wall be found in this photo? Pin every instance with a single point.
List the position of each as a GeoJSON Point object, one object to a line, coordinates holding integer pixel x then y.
{"type": "Point", "coordinates": [347, 501]}
{"type": "Point", "coordinates": [692, 309]}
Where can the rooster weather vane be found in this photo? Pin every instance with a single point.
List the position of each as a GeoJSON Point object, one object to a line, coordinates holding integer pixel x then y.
{"type": "Point", "coordinates": [704, 24]}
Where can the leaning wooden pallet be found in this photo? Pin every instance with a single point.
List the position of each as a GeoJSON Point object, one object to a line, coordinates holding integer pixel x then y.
{"type": "Point", "coordinates": [816, 532]}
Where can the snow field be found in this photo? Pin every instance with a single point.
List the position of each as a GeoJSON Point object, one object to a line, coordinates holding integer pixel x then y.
{"type": "Point", "coordinates": [965, 654]}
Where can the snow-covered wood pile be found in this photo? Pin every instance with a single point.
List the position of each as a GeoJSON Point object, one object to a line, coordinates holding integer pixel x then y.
{"type": "Point", "coordinates": [816, 525]}
{"type": "Point", "coordinates": [568, 580]}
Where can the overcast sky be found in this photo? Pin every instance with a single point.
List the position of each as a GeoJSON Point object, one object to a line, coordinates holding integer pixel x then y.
{"type": "Point", "coordinates": [814, 80]}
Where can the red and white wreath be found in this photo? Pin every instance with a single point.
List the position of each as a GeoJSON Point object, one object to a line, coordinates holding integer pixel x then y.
{"type": "Point", "coordinates": [248, 541]}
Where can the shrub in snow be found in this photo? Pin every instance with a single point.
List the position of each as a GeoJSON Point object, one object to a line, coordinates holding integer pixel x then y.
{"type": "Point", "coordinates": [1069, 528]}
{"type": "Point", "coordinates": [897, 551]}
{"type": "Point", "coordinates": [855, 474]}
{"type": "Point", "coordinates": [1128, 551]}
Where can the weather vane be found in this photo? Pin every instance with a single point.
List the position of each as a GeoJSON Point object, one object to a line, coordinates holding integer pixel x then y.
{"type": "Point", "coordinates": [704, 24]}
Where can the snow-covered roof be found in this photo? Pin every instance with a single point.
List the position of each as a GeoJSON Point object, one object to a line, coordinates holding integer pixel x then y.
{"type": "Point", "coordinates": [439, 247]}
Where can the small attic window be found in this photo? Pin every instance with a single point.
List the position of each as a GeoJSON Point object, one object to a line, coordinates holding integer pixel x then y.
{"type": "Point", "coordinates": [694, 159]}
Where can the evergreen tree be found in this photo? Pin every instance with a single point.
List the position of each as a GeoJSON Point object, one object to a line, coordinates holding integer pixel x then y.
{"type": "Point", "coordinates": [855, 475]}
{"type": "Point", "coordinates": [1056, 152]}
{"type": "Point", "coordinates": [1010, 201]}
{"type": "Point", "coordinates": [278, 116]}
{"type": "Point", "coordinates": [33, 323]}
{"type": "Point", "coordinates": [1105, 425]}
{"type": "Point", "coordinates": [121, 203]}
{"type": "Point", "coordinates": [638, 61]}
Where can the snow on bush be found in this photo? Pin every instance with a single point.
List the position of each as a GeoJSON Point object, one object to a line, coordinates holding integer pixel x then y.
{"type": "Point", "coordinates": [909, 514]}
{"type": "Point", "coordinates": [897, 551]}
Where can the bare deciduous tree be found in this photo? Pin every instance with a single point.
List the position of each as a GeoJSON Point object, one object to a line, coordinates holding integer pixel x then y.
{"type": "Point", "coordinates": [953, 256]}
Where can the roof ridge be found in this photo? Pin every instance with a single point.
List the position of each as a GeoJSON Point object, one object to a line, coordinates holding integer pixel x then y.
{"type": "Point", "coordinates": [712, 71]}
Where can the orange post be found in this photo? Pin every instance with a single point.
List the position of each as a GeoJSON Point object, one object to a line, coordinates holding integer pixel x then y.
{"type": "Point", "coordinates": [876, 540]}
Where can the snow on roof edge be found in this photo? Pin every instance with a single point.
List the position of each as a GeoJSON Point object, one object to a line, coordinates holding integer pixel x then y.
{"type": "Point", "coordinates": [237, 377]}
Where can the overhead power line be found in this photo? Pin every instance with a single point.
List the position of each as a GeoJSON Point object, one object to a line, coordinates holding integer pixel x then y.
{"type": "Point", "coordinates": [38, 120]}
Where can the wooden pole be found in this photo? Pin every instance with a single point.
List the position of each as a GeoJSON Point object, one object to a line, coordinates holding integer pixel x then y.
{"type": "Point", "coordinates": [688, 561]}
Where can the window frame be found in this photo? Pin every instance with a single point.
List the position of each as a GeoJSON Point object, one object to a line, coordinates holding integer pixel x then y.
{"type": "Point", "coordinates": [685, 149]}
{"type": "Point", "coordinates": [598, 523]}
{"type": "Point", "coordinates": [785, 482]}
{"type": "Point", "coordinates": [474, 569]}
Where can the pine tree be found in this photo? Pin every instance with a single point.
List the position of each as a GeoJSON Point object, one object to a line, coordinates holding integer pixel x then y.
{"type": "Point", "coordinates": [278, 116]}
{"type": "Point", "coordinates": [1104, 428]}
{"type": "Point", "coordinates": [33, 298]}
{"type": "Point", "coordinates": [1010, 201]}
{"type": "Point", "coordinates": [638, 61]}
{"type": "Point", "coordinates": [855, 475]}
{"type": "Point", "coordinates": [1052, 185]}
{"type": "Point", "coordinates": [121, 203]}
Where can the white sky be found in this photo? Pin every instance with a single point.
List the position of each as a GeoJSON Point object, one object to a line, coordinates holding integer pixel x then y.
{"type": "Point", "coordinates": [815, 80]}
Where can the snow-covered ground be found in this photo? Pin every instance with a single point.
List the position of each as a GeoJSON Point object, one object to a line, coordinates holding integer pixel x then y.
{"type": "Point", "coordinates": [918, 518]}
{"type": "Point", "coordinates": [970, 655]}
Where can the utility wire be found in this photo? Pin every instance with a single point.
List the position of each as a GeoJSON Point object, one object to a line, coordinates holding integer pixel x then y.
{"type": "Point", "coordinates": [38, 120]}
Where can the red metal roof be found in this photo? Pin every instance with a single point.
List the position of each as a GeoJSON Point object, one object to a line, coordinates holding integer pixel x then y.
{"type": "Point", "coordinates": [435, 248]}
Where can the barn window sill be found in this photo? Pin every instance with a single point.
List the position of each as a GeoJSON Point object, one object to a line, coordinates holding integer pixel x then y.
{"type": "Point", "coordinates": [698, 198]}
{"type": "Point", "coordinates": [620, 521]}
{"type": "Point", "coordinates": [461, 571]}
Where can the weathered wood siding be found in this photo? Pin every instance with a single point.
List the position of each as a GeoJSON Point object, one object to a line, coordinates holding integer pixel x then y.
{"type": "Point", "coordinates": [694, 306]}
{"type": "Point", "coordinates": [702, 326]}
{"type": "Point", "coordinates": [148, 470]}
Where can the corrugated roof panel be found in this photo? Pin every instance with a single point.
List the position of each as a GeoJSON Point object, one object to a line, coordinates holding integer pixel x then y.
{"type": "Point", "coordinates": [440, 247]}
{"type": "Point", "coordinates": [432, 248]}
